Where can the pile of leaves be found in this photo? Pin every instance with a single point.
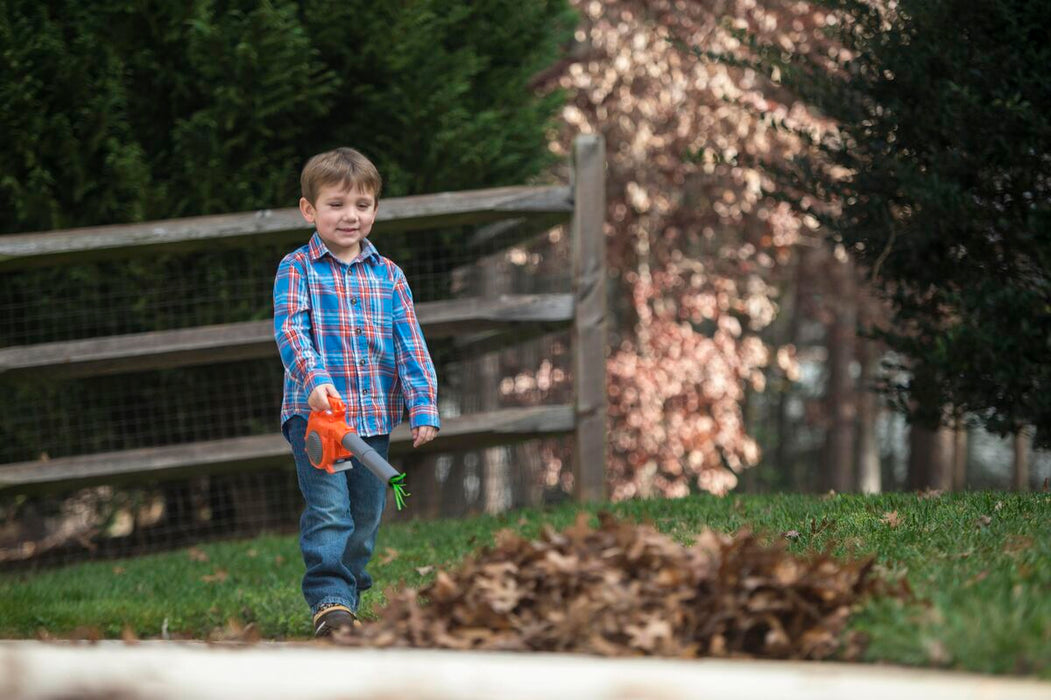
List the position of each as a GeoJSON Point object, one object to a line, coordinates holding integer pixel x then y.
{"type": "Point", "coordinates": [625, 589]}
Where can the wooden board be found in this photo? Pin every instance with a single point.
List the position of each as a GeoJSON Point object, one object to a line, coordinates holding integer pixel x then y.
{"type": "Point", "coordinates": [589, 325]}
{"type": "Point", "coordinates": [498, 427]}
{"type": "Point", "coordinates": [19, 251]}
{"type": "Point", "coordinates": [254, 339]}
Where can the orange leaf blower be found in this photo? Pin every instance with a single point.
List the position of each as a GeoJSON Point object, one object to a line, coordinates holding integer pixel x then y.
{"type": "Point", "coordinates": [331, 443]}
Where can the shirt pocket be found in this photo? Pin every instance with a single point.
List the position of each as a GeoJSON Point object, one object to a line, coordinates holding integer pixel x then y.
{"type": "Point", "coordinates": [380, 317]}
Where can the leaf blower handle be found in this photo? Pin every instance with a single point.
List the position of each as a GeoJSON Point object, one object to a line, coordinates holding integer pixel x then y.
{"type": "Point", "coordinates": [369, 457]}
{"type": "Point", "coordinates": [378, 466]}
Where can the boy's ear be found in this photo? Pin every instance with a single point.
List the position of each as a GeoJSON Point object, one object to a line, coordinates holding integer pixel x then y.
{"type": "Point", "coordinates": [307, 210]}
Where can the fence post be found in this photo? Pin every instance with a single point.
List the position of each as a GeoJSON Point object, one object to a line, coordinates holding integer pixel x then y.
{"type": "Point", "coordinates": [589, 321]}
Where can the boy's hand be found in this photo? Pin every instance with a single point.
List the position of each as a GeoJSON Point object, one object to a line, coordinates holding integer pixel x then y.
{"type": "Point", "coordinates": [318, 398]}
{"type": "Point", "coordinates": [422, 434]}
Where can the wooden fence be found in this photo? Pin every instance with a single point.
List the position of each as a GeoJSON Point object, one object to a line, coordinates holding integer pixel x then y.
{"type": "Point", "coordinates": [507, 215]}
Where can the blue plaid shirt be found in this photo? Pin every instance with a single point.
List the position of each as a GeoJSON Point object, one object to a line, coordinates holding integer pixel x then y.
{"type": "Point", "coordinates": [353, 326]}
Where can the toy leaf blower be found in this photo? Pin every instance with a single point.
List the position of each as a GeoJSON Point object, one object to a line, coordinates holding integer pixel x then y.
{"type": "Point", "coordinates": [331, 443]}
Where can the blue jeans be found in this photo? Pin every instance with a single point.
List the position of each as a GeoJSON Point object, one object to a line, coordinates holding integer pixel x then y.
{"type": "Point", "coordinates": [337, 531]}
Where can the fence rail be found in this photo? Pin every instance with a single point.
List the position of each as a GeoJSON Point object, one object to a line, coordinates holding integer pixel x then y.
{"type": "Point", "coordinates": [253, 339]}
{"type": "Point", "coordinates": [19, 251]}
{"type": "Point", "coordinates": [261, 451]}
{"type": "Point", "coordinates": [508, 214]}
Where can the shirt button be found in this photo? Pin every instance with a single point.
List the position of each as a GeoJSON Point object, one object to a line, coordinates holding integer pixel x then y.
{"type": "Point", "coordinates": [354, 301]}
{"type": "Point", "coordinates": [359, 331]}
{"type": "Point", "coordinates": [361, 362]}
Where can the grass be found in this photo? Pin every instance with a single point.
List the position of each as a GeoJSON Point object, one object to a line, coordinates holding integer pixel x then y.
{"type": "Point", "coordinates": [979, 565]}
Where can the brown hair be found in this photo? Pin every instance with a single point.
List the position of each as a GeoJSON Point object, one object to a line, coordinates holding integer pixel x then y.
{"type": "Point", "coordinates": [345, 166]}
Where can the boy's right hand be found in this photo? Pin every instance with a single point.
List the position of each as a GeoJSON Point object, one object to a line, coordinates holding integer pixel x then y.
{"type": "Point", "coordinates": [318, 399]}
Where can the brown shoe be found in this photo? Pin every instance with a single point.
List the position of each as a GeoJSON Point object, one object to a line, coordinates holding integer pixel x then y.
{"type": "Point", "coordinates": [332, 619]}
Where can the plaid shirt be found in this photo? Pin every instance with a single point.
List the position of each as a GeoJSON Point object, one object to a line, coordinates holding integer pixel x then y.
{"type": "Point", "coordinates": [352, 326]}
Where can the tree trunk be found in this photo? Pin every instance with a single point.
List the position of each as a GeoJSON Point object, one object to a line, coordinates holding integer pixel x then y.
{"type": "Point", "coordinates": [1020, 468]}
{"type": "Point", "coordinates": [959, 457]}
{"type": "Point", "coordinates": [783, 453]}
{"type": "Point", "coordinates": [841, 396]}
{"type": "Point", "coordinates": [869, 476]}
{"type": "Point", "coordinates": [931, 457]}
{"type": "Point", "coordinates": [750, 415]}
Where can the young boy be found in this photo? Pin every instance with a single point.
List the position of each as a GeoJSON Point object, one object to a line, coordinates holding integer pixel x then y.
{"type": "Point", "coordinates": [346, 328]}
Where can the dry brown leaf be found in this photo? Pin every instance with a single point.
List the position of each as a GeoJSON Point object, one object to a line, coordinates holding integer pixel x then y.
{"type": "Point", "coordinates": [119, 570]}
{"type": "Point", "coordinates": [622, 589]}
{"type": "Point", "coordinates": [983, 521]}
{"type": "Point", "coordinates": [219, 576]}
{"type": "Point", "coordinates": [1018, 543]}
{"type": "Point", "coordinates": [197, 554]}
{"type": "Point", "coordinates": [892, 519]}
{"type": "Point", "coordinates": [424, 570]}
{"type": "Point", "coordinates": [937, 653]}
{"type": "Point", "coordinates": [235, 631]}
{"type": "Point", "coordinates": [251, 634]}
{"type": "Point", "coordinates": [86, 633]}
{"type": "Point", "coordinates": [776, 642]}
{"type": "Point", "coordinates": [444, 587]}
{"type": "Point", "coordinates": [653, 637]}
{"type": "Point", "coordinates": [388, 555]}
{"type": "Point", "coordinates": [790, 534]}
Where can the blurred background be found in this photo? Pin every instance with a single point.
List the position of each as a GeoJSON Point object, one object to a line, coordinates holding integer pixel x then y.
{"type": "Point", "coordinates": [742, 353]}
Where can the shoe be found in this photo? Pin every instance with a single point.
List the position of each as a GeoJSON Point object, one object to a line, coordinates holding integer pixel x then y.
{"type": "Point", "coordinates": [332, 619]}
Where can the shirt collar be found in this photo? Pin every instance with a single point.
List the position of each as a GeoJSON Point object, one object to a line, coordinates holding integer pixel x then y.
{"type": "Point", "coordinates": [318, 249]}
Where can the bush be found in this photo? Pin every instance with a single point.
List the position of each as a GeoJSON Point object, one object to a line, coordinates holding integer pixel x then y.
{"type": "Point", "coordinates": [209, 107]}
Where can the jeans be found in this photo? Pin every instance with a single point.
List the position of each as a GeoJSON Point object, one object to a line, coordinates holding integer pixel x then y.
{"type": "Point", "coordinates": [337, 531]}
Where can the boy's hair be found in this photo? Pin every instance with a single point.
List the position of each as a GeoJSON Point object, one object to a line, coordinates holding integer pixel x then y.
{"type": "Point", "coordinates": [344, 166]}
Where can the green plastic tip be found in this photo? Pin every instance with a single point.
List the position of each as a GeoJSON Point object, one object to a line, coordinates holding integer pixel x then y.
{"type": "Point", "coordinates": [400, 494]}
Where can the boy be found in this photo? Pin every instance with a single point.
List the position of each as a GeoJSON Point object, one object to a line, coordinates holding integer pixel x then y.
{"type": "Point", "coordinates": [346, 327]}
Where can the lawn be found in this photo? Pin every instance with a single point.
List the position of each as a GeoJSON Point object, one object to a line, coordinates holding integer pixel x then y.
{"type": "Point", "coordinates": [978, 564]}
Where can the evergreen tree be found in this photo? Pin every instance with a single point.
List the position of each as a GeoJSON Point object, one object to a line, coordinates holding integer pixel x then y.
{"type": "Point", "coordinates": [437, 92]}
{"type": "Point", "coordinates": [118, 111]}
{"type": "Point", "coordinates": [944, 133]}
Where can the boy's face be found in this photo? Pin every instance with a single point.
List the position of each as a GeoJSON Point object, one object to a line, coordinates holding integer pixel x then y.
{"type": "Point", "coordinates": [343, 218]}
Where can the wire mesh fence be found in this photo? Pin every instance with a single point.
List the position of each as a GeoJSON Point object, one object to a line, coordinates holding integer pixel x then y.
{"type": "Point", "coordinates": [51, 416]}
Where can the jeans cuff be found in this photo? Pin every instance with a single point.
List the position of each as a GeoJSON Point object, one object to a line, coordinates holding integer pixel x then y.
{"type": "Point", "coordinates": [326, 602]}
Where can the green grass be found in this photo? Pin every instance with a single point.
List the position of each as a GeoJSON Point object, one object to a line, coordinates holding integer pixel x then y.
{"type": "Point", "coordinates": [979, 565]}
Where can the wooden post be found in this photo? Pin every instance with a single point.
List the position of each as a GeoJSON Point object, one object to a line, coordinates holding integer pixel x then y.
{"type": "Point", "coordinates": [589, 323]}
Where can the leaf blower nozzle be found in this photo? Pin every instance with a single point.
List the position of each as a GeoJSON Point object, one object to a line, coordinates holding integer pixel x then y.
{"type": "Point", "coordinates": [331, 443]}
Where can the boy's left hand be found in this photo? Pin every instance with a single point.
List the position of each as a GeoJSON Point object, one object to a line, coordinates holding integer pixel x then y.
{"type": "Point", "coordinates": [422, 434]}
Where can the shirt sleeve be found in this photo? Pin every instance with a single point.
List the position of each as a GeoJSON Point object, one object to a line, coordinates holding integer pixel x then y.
{"type": "Point", "coordinates": [292, 328]}
{"type": "Point", "coordinates": [415, 369]}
